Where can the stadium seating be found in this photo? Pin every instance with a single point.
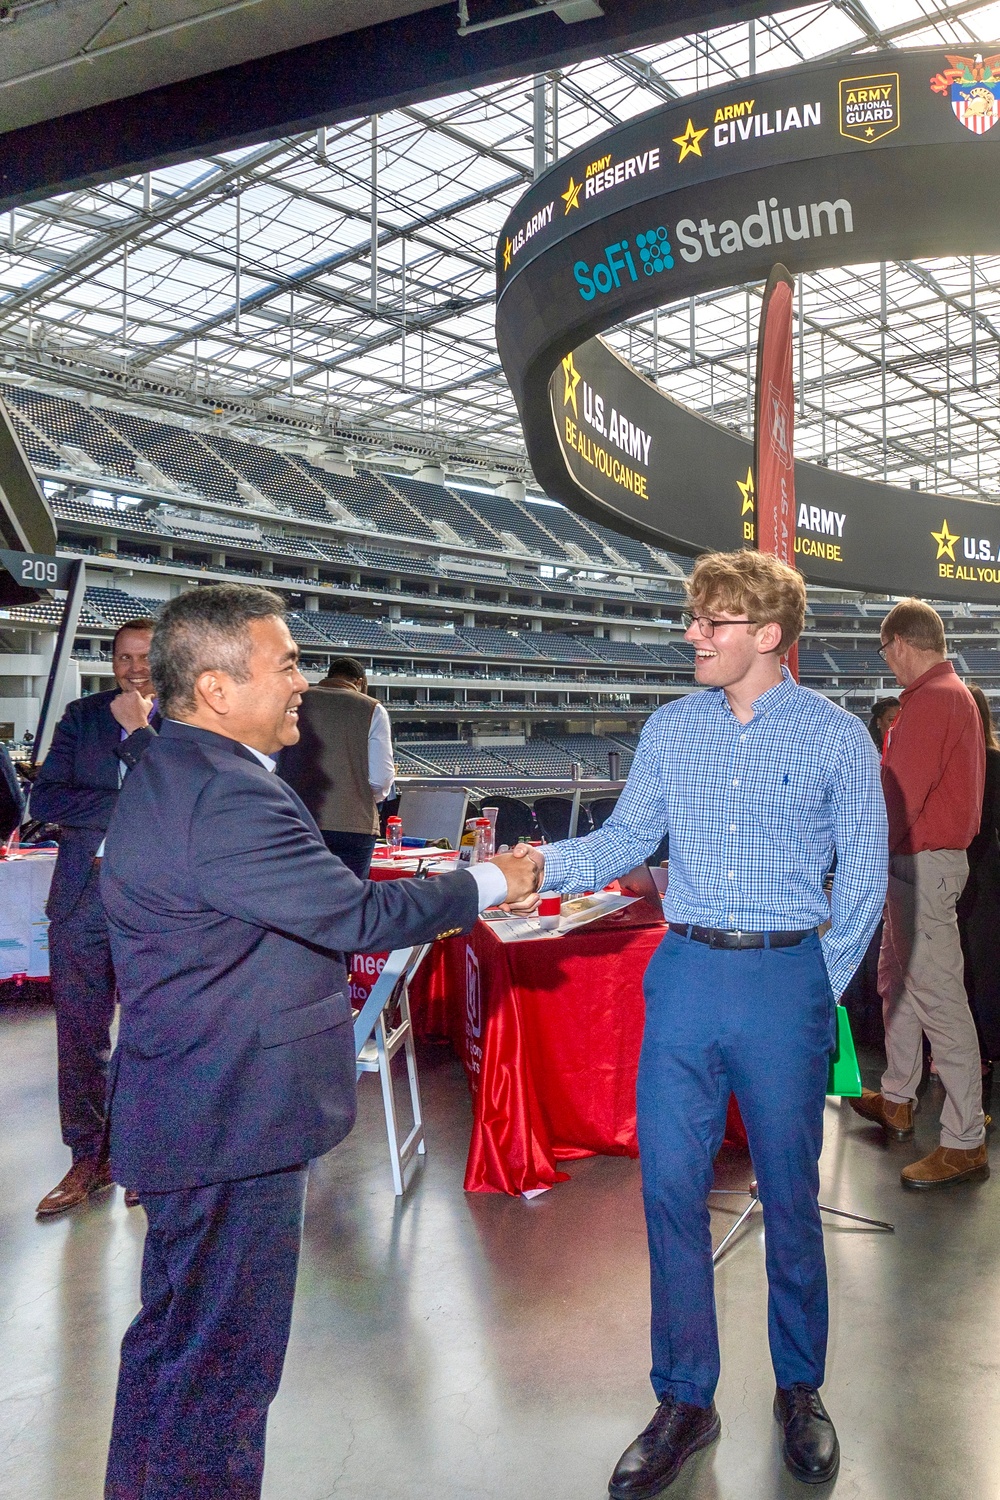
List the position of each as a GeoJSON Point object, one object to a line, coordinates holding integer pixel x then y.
{"type": "Point", "coordinates": [114, 606]}
{"type": "Point", "coordinates": [351, 536]}
{"type": "Point", "coordinates": [271, 475]}
{"type": "Point", "coordinates": [626, 546]}
{"type": "Point", "coordinates": [351, 630]}
{"type": "Point", "coordinates": [568, 528]}
{"type": "Point", "coordinates": [40, 453]}
{"type": "Point", "coordinates": [813, 663]}
{"type": "Point", "coordinates": [537, 758]}
{"type": "Point", "coordinates": [505, 515]}
{"type": "Point", "coordinates": [304, 633]}
{"type": "Point", "coordinates": [393, 562]}
{"type": "Point", "coordinates": [434, 643]}
{"type": "Point", "coordinates": [860, 663]}
{"type": "Point", "coordinates": [452, 758]}
{"type": "Point", "coordinates": [498, 643]}
{"type": "Point", "coordinates": [629, 653]}
{"type": "Point", "coordinates": [592, 750]}
{"type": "Point", "coordinates": [982, 663]}
{"type": "Point", "coordinates": [439, 504]}
{"type": "Point", "coordinates": [178, 454]}
{"type": "Point", "coordinates": [71, 423]}
{"type": "Point", "coordinates": [50, 612]}
{"type": "Point", "coordinates": [557, 647]}
{"type": "Point", "coordinates": [835, 608]}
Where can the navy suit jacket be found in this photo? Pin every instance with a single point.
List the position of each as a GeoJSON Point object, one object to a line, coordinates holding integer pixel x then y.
{"type": "Point", "coordinates": [228, 916]}
{"type": "Point", "coordinates": [77, 787]}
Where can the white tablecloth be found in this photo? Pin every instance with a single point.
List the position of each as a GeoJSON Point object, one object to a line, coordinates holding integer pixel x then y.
{"type": "Point", "coordinates": [24, 927]}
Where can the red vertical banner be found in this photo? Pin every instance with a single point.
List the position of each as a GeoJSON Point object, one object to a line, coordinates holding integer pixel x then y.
{"type": "Point", "coordinates": [774, 428]}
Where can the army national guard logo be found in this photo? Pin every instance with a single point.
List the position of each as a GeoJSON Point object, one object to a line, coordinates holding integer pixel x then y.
{"type": "Point", "coordinates": [869, 107]}
{"type": "Point", "coordinates": [973, 85]}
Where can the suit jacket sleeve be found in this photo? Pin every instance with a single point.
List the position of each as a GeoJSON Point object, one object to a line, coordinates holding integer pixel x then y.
{"type": "Point", "coordinates": [132, 749]}
{"type": "Point", "coordinates": [255, 859]}
{"type": "Point", "coordinates": [57, 795]}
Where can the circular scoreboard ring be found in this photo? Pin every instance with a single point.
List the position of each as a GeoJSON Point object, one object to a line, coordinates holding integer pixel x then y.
{"type": "Point", "coordinates": [882, 157]}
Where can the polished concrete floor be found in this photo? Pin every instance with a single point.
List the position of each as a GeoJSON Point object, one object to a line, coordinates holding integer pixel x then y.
{"type": "Point", "coordinates": [453, 1347]}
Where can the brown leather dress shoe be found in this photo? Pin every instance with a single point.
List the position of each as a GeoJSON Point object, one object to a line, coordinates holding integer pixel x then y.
{"type": "Point", "coordinates": [83, 1178]}
{"type": "Point", "coordinates": [947, 1165]}
{"type": "Point", "coordinates": [895, 1119]}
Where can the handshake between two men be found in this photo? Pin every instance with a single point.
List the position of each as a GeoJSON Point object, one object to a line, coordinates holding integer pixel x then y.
{"type": "Point", "coordinates": [522, 868]}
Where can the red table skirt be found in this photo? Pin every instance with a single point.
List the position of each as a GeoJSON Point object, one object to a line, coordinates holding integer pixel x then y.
{"type": "Point", "coordinates": [549, 1033]}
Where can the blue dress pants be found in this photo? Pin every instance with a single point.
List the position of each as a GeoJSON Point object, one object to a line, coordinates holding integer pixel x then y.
{"type": "Point", "coordinates": [83, 992]}
{"type": "Point", "coordinates": [202, 1360]}
{"type": "Point", "coordinates": [761, 1023]}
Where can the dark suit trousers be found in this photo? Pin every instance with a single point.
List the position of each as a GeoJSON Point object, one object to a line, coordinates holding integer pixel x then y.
{"type": "Point", "coordinates": [352, 849]}
{"type": "Point", "coordinates": [83, 990]}
{"type": "Point", "coordinates": [201, 1363]}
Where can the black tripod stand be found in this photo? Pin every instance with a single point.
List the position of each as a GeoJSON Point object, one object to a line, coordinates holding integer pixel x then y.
{"type": "Point", "coordinates": [754, 1197]}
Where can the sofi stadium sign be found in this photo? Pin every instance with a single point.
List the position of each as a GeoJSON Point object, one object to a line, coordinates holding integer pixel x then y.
{"type": "Point", "coordinates": [879, 158]}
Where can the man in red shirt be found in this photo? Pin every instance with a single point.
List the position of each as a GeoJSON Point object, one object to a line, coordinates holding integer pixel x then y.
{"type": "Point", "coordinates": [933, 765]}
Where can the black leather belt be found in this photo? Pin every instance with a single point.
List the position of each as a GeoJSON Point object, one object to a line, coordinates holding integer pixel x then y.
{"type": "Point", "coordinates": [724, 937]}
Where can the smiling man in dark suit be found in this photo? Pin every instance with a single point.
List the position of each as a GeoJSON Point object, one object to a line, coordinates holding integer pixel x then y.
{"type": "Point", "coordinates": [235, 1062]}
{"type": "Point", "coordinates": [97, 741]}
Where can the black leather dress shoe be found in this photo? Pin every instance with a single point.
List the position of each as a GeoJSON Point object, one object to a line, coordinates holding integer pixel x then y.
{"type": "Point", "coordinates": [655, 1458]}
{"type": "Point", "coordinates": [810, 1449]}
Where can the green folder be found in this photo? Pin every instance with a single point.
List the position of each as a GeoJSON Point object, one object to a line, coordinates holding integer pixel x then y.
{"type": "Point", "coordinates": [845, 1075]}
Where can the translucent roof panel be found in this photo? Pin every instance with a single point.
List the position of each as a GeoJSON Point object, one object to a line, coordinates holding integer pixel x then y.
{"type": "Point", "coordinates": [337, 287]}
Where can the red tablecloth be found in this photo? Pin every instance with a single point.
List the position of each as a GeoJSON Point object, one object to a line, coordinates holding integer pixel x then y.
{"type": "Point", "coordinates": [549, 1033]}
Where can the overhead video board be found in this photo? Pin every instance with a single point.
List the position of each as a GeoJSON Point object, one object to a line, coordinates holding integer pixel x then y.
{"type": "Point", "coordinates": [883, 157]}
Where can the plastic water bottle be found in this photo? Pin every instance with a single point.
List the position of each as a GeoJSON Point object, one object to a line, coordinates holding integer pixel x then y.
{"type": "Point", "coordinates": [394, 834]}
{"type": "Point", "coordinates": [484, 839]}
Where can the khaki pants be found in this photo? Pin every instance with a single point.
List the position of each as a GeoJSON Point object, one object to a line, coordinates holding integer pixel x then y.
{"type": "Point", "coordinates": [921, 981]}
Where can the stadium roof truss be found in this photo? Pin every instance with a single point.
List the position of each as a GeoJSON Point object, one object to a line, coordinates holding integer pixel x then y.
{"type": "Point", "coordinates": [337, 288]}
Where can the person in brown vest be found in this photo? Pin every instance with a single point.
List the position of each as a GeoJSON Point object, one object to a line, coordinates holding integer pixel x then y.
{"type": "Point", "coordinates": [342, 766]}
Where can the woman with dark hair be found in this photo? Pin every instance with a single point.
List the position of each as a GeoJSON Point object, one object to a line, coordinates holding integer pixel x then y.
{"type": "Point", "coordinates": [883, 713]}
{"type": "Point", "coordinates": [979, 904]}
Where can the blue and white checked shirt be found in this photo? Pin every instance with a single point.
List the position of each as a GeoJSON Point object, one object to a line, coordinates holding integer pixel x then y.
{"type": "Point", "coordinates": [755, 813]}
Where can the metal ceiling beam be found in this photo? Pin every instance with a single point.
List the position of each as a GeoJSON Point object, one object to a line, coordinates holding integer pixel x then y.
{"type": "Point", "coordinates": [307, 277]}
{"type": "Point", "coordinates": [112, 242]}
{"type": "Point", "coordinates": [360, 73]}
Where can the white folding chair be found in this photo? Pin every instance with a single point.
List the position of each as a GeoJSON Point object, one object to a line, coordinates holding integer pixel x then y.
{"type": "Point", "coordinates": [376, 1044]}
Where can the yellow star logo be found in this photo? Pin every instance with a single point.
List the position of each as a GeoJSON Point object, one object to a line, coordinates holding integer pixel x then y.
{"type": "Point", "coordinates": [745, 488]}
{"type": "Point", "coordinates": [508, 251]}
{"type": "Point", "coordinates": [945, 542]}
{"type": "Point", "coordinates": [690, 141]}
{"type": "Point", "coordinates": [572, 375]}
{"type": "Point", "coordinates": [571, 197]}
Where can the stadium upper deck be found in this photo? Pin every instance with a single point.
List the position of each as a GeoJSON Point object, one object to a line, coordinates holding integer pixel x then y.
{"type": "Point", "coordinates": [468, 607]}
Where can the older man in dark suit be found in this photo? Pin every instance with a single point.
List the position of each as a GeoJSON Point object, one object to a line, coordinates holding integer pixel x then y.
{"type": "Point", "coordinates": [235, 1062]}
{"type": "Point", "coordinates": [97, 741]}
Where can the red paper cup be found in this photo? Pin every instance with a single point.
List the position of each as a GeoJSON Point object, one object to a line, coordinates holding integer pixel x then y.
{"type": "Point", "coordinates": [549, 912]}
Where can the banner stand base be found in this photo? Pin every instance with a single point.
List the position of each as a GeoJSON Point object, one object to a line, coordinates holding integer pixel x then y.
{"type": "Point", "coordinates": [752, 1194]}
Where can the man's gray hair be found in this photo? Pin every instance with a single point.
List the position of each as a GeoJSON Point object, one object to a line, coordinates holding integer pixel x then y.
{"type": "Point", "coordinates": [206, 630]}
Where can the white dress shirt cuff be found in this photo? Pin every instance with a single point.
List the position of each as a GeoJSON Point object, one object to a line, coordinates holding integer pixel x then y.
{"type": "Point", "coordinates": [492, 883]}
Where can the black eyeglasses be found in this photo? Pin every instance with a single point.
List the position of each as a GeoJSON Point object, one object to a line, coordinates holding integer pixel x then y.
{"type": "Point", "coordinates": [706, 624]}
{"type": "Point", "coordinates": [884, 648]}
